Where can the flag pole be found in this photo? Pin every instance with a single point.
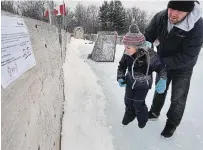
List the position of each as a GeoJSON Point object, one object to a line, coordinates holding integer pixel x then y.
{"type": "Point", "coordinates": [63, 13]}
{"type": "Point", "coordinates": [49, 15]}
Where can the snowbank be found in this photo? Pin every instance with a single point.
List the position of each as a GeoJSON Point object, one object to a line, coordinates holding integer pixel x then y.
{"type": "Point", "coordinates": [84, 122]}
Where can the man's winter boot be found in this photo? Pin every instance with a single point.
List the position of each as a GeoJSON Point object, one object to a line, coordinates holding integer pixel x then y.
{"type": "Point", "coordinates": [152, 116]}
{"type": "Point", "coordinates": [168, 130]}
{"type": "Point", "coordinates": [142, 125]}
{"type": "Point", "coordinates": [129, 116]}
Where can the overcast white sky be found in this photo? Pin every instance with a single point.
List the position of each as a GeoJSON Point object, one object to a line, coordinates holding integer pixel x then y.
{"type": "Point", "coordinates": [151, 6]}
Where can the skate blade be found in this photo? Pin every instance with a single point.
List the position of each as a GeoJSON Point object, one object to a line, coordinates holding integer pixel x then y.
{"type": "Point", "coordinates": [154, 119]}
{"type": "Point", "coordinates": [165, 138]}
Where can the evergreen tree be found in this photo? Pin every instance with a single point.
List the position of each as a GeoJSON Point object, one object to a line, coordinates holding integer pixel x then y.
{"type": "Point", "coordinates": [112, 16]}
{"type": "Point", "coordinates": [7, 6]}
{"type": "Point", "coordinates": [119, 17]}
{"type": "Point", "coordinates": [104, 16]}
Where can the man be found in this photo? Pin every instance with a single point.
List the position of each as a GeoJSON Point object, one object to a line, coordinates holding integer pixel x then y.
{"type": "Point", "coordinates": [179, 32]}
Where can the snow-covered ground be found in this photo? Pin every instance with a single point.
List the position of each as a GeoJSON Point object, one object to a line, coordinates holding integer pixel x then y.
{"type": "Point", "coordinates": [84, 121]}
{"type": "Point", "coordinates": [94, 109]}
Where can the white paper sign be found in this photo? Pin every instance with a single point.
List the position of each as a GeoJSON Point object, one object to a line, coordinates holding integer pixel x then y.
{"type": "Point", "coordinates": [16, 49]}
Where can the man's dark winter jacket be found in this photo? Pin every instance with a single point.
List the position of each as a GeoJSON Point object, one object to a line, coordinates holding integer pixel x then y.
{"type": "Point", "coordinates": [178, 49]}
{"type": "Point", "coordinates": [139, 68]}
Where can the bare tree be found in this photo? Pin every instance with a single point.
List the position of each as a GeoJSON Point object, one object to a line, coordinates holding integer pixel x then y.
{"type": "Point", "coordinates": [87, 17]}
{"type": "Point", "coordinates": [92, 19]}
{"type": "Point", "coordinates": [80, 14]}
{"type": "Point", "coordinates": [138, 16]}
{"type": "Point", "coordinates": [70, 20]}
{"type": "Point", "coordinates": [141, 19]}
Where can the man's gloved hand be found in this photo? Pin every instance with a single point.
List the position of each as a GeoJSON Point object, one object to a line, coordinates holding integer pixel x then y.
{"type": "Point", "coordinates": [161, 86]}
{"type": "Point", "coordinates": [121, 82]}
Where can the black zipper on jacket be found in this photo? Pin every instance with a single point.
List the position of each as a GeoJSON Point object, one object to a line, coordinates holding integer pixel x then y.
{"type": "Point", "coordinates": [171, 33]}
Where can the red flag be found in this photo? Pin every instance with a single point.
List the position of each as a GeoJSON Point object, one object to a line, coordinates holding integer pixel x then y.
{"type": "Point", "coordinates": [46, 13]}
{"type": "Point", "coordinates": [55, 12]}
{"type": "Point", "coordinates": [62, 9]}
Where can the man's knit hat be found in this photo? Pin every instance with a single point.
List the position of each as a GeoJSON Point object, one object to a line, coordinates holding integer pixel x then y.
{"type": "Point", "coordinates": [186, 6]}
{"type": "Point", "coordinates": [134, 37]}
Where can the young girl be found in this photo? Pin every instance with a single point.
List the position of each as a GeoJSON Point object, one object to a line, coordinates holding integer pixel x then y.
{"type": "Point", "coordinates": [140, 61]}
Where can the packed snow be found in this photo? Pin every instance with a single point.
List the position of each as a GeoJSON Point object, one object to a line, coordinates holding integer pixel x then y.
{"type": "Point", "coordinates": [94, 108]}
{"type": "Point", "coordinates": [84, 122]}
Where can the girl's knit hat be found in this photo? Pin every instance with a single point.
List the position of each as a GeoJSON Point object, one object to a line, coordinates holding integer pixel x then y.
{"type": "Point", "coordinates": [134, 37]}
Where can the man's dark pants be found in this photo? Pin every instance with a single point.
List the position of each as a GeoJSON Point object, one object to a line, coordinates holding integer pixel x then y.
{"type": "Point", "coordinates": [180, 89]}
